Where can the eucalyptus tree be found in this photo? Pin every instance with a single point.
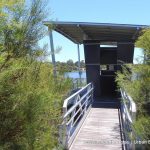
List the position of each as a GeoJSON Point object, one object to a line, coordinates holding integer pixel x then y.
{"type": "Point", "coordinates": [30, 100]}
{"type": "Point", "coordinates": [139, 88]}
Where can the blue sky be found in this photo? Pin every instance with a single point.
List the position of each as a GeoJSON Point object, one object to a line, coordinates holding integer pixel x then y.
{"type": "Point", "coordinates": [101, 11]}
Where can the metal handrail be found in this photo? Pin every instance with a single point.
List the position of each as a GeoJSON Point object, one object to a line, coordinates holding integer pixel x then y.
{"type": "Point", "coordinates": [128, 111]}
{"type": "Point", "coordinates": [75, 109]}
{"type": "Point", "coordinates": [78, 82]}
{"type": "Point", "coordinates": [129, 105]}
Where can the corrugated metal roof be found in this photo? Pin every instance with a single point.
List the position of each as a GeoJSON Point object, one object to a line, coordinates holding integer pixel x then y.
{"type": "Point", "coordinates": [78, 32]}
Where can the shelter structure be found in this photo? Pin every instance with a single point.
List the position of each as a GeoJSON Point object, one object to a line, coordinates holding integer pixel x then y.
{"type": "Point", "coordinates": [106, 47]}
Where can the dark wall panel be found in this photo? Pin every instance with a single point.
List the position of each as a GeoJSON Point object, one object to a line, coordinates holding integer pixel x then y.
{"type": "Point", "coordinates": [93, 75]}
{"type": "Point", "coordinates": [125, 52]}
{"type": "Point", "coordinates": [108, 55]}
{"type": "Point", "coordinates": [108, 86]}
{"type": "Point", "coordinates": [92, 60]}
{"type": "Point", "coordinates": [104, 84]}
{"type": "Point", "coordinates": [92, 54]}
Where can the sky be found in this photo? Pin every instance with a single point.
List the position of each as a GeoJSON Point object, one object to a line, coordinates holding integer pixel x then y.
{"type": "Point", "coordinates": [99, 11]}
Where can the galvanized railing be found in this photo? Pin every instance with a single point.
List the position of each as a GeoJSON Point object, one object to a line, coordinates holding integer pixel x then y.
{"type": "Point", "coordinates": [78, 83]}
{"type": "Point", "coordinates": [128, 112]}
{"type": "Point", "coordinates": [75, 109]}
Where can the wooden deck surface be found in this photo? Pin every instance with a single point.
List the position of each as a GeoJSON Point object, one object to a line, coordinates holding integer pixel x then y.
{"type": "Point", "coordinates": [100, 131]}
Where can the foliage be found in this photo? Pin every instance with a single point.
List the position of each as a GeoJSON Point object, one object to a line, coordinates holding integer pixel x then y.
{"type": "Point", "coordinates": [69, 66]}
{"type": "Point", "coordinates": [21, 30]}
{"type": "Point", "coordinates": [144, 43]}
{"type": "Point", "coordinates": [30, 105]}
{"type": "Point", "coordinates": [142, 127]}
{"type": "Point", "coordinates": [8, 4]}
{"type": "Point", "coordinates": [135, 79]}
{"type": "Point", "coordinates": [30, 97]}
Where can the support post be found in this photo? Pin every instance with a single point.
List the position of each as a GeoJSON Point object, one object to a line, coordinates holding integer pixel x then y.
{"type": "Point", "coordinates": [52, 51]}
{"type": "Point", "coordinates": [92, 61]}
{"type": "Point", "coordinates": [78, 57]}
{"type": "Point", "coordinates": [79, 65]}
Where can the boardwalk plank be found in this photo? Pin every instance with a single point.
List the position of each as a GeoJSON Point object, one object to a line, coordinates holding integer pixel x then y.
{"type": "Point", "coordinates": [100, 131]}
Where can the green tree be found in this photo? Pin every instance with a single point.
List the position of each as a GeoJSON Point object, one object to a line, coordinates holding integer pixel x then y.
{"type": "Point", "coordinates": [139, 88]}
{"type": "Point", "coordinates": [82, 63]}
{"type": "Point", "coordinates": [30, 99]}
{"type": "Point", "coordinates": [70, 62]}
{"type": "Point", "coordinates": [7, 4]}
{"type": "Point", "coordinates": [22, 29]}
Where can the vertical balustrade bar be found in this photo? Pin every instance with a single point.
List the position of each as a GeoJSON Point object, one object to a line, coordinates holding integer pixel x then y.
{"type": "Point", "coordinates": [70, 125]}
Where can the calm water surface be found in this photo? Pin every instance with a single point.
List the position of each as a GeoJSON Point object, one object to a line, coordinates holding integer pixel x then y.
{"type": "Point", "coordinates": [75, 75]}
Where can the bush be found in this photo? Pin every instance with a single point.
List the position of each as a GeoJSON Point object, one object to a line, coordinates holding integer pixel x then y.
{"type": "Point", "coordinates": [139, 86]}
{"type": "Point", "coordinates": [30, 105]}
{"type": "Point", "coordinates": [30, 97]}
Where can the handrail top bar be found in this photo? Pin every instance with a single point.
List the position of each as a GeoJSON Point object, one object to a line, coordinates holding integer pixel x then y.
{"type": "Point", "coordinates": [72, 108]}
{"type": "Point", "coordinates": [73, 95]}
{"type": "Point", "coordinates": [129, 117]}
{"type": "Point", "coordinates": [133, 105]}
{"type": "Point", "coordinates": [77, 110]}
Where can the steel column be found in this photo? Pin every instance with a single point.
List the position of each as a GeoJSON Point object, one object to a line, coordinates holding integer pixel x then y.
{"type": "Point", "coordinates": [52, 51]}
{"type": "Point", "coordinates": [79, 65]}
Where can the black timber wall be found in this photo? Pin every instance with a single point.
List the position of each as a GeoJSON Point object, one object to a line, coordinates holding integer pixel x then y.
{"type": "Point", "coordinates": [92, 61]}
{"type": "Point", "coordinates": [95, 56]}
{"type": "Point", "coordinates": [108, 56]}
{"type": "Point", "coordinates": [125, 52]}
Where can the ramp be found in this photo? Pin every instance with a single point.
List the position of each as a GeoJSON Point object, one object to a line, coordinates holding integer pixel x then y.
{"type": "Point", "coordinates": [97, 124]}
{"type": "Point", "coordinates": [100, 131]}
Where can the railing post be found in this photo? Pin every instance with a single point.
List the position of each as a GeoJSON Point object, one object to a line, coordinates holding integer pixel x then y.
{"type": "Point", "coordinates": [128, 115]}
{"type": "Point", "coordinates": [76, 113]}
{"type": "Point", "coordinates": [86, 99]}
{"type": "Point", "coordinates": [65, 138]}
{"type": "Point", "coordinates": [92, 92]}
{"type": "Point", "coordinates": [77, 98]}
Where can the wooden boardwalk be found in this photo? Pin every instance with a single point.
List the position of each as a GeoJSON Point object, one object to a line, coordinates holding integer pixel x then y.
{"type": "Point", "coordinates": [100, 130]}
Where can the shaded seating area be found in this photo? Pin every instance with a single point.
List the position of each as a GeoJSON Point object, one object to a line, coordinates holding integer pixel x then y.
{"type": "Point", "coordinates": [96, 116]}
{"type": "Point", "coordinates": [106, 47]}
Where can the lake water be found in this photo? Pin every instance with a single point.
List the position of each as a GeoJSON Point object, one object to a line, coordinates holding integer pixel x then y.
{"type": "Point", "coordinates": [75, 75]}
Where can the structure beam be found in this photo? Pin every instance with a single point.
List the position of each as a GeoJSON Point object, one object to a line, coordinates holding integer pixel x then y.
{"type": "Point", "coordinates": [86, 36]}
{"type": "Point", "coordinates": [67, 36]}
{"type": "Point", "coordinates": [52, 51]}
{"type": "Point", "coordinates": [79, 64]}
{"type": "Point", "coordinates": [134, 37]}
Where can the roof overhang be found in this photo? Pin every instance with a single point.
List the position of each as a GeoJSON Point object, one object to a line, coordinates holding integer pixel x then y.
{"type": "Point", "coordinates": [81, 32]}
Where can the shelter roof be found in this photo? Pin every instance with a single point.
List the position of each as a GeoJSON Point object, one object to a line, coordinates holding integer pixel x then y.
{"type": "Point", "coordinates": [79, 32]}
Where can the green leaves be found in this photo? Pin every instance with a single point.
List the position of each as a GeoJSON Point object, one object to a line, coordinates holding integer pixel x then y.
{"type": "Point", "coordinates": [137, 84]}
{"type": "Point", "coordinates": [30, 98]}
{"type": "Point", "coordinates": [144, 43]}
{"type": "Point", "coordinates": [144, 40]}
{"type": "Point", "coordinates": [30, 105]}
{"type": "Point", "coordinates": [142, 127]}
{"type": "Point", "coordinates": [22, 28]}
